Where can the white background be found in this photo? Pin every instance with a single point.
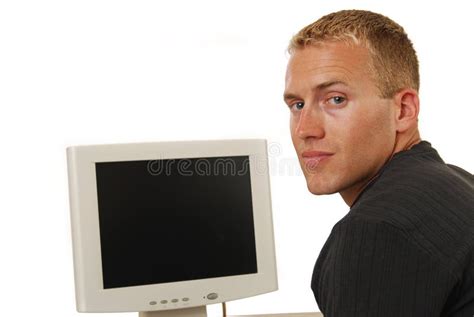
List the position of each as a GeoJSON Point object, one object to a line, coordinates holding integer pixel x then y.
{"type": "Point", "coordinates": [91, 72]}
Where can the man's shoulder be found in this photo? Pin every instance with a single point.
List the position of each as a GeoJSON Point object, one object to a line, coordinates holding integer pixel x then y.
{"type": "Point", "coordinates": [419, 185]}
{"type": "Point", "coordinates": [425, 200]}
{"type": "Point", "coordinates": [423, 171]}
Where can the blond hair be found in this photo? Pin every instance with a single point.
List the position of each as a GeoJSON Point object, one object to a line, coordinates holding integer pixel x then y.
{"type": "Point", "coordinates": [393, 59]}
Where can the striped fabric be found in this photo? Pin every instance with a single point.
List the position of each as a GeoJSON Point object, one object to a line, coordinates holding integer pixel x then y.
{"type": "Point", "coordinates": [406, 247]}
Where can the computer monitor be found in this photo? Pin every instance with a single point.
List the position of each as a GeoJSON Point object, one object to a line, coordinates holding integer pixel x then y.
{"type": "Point", "coordinates": [167, 228]}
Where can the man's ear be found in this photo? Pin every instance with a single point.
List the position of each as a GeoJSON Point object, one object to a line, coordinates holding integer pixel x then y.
{"type": "Point", "coordinates": [407, 108]}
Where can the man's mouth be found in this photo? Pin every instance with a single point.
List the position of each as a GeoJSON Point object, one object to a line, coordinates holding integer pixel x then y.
{"type": "Point", "coordinates": [312, 159]}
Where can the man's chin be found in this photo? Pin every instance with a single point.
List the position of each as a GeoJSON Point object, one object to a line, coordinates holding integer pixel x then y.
{"type": "Point", "coordinates": [317, 189]}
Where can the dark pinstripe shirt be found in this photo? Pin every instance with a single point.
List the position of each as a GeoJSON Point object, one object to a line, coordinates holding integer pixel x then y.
{"type": "Point", "coordinates": [406, 247]}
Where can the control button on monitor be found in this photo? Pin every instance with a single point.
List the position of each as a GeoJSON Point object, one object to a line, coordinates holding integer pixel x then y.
{"type": "Point", "coordinates": [212, 296]}
{"type": "Point", "coordinates": [153, 303]}
{"type": "Point", "coordinates": [185, 299]}
{"type": "Point", "coordinates": [174, 300]}
{"type": "Point", "coordinates": [164, 301]}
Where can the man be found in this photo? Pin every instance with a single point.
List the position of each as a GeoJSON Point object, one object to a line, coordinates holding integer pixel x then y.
{"type": "Point", "coordinates": [406, 247]}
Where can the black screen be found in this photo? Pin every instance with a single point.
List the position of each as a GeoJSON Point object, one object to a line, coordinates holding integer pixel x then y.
{"type": "Point", "coordinates": [175, 220]}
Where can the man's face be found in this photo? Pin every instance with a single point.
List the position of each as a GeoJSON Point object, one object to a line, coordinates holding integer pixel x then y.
{"type": "Point", "coordinates": [342, 131]}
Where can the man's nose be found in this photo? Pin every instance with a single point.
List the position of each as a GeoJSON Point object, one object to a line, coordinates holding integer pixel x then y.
{"type": "Point", "coordinates": [310, 124]}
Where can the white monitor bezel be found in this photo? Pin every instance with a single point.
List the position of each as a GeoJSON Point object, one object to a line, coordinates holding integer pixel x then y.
{"type": "Point", "coordinates": [90, 294]}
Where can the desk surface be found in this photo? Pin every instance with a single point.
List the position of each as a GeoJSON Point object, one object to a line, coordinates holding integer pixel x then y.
{"type": "Point", "coordinates": [284, 315]}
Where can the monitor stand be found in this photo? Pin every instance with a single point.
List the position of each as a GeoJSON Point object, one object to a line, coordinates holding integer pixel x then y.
{"type": "Point", "coordinates": [184, 312]}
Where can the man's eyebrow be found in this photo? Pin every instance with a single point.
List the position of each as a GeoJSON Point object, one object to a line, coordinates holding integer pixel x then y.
{"type": "Point", "coordinates": [289, 96]}
{"type": "Point", "coordinates": [330, 83]}
{"type": "Point", "coordinates": [321, 86]}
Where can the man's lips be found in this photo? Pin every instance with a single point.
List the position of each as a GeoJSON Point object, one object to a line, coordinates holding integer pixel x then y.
{"type": "Point", "coordinates": [313, 158]}
{"type": "Point", "coordinates": [315, 154]}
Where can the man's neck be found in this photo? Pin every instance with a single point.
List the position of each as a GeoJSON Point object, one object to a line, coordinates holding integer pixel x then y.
{"type": "Point", "coordinates": [402, 143]}
{"type": "Point", "coordinates": [406, 143]}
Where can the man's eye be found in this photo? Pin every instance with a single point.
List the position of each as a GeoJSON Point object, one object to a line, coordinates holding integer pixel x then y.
{"type": "Point", "coordinates": [336, 100]}
{"type": "Point", "coordinates": [298, 105]}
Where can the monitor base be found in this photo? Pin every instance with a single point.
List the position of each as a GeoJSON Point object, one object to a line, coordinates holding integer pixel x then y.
{"type": "Point", "coordinates": [184, 312]}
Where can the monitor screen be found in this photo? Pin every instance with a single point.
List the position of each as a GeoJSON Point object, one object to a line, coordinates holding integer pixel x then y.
{"type": "Point", "coordinates": [164, 226]}
{"type": "Point", "coordinates": [160, 222]}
